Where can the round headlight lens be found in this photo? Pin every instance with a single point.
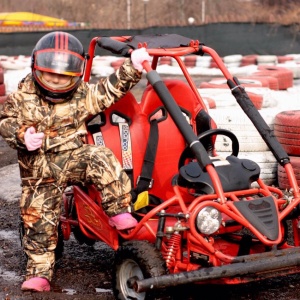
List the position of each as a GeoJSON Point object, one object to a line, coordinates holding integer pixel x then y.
{"type": "Point", "coordinates": [208, 220]}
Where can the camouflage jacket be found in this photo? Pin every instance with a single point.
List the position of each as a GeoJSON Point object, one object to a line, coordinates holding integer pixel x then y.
{"type": "Point", "coordinates": [62, 123]}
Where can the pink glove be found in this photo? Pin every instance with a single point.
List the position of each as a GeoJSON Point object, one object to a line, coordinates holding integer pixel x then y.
{"type": "Point", "coordinates": [32, 139]}
{"type": "Point", "coordinates": [138, 56]}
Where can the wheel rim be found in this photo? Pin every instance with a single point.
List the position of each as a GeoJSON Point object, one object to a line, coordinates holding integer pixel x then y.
{"type": "Point", "coordinates": [128, 269]}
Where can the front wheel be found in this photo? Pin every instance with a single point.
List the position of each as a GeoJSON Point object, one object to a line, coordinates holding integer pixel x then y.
{"type": "Point", "coordinates": [140, 259]}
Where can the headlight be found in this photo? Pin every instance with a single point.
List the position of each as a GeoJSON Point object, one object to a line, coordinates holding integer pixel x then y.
{"type": "Point", "coordinates": [208, 220]}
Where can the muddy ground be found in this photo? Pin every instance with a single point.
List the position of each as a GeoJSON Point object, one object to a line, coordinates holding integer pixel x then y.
{"type": "Point", "coordinates": [84, 272]}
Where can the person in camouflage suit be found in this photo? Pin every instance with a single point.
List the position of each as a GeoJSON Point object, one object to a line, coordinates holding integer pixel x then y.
{"type": "Point", "coordinates": [45, 121]}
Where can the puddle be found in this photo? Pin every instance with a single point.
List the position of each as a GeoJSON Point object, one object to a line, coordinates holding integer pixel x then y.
{"type": "Point", "coordinates": [99, 290]}
{"type": "Point", "coordinates": [8, 275]}
{"type": "Point", "coordinates": [74, 292]}
{"type": "Point", "coordinates": [9, 234]}
{"type": "Point", "coordinates": [10, 183]}
{"type": "Point", "coordinates": [69, 291]}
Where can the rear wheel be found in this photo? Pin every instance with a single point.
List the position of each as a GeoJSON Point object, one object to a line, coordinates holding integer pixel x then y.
{"type": "Point", "coordinates": [140, 259]}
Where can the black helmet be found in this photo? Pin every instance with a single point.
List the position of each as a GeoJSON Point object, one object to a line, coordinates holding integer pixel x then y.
{"type": "Point", "coordinates": [60, 53]}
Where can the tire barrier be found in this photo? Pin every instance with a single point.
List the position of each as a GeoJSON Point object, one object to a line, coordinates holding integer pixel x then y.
{"type": "Point", "coordinates": [102, 65]}
{"type": "Point", "coordinates": [285, 76]}
{"type": "Point", "coordinates": [290, 65]}
{"type": "Point", "coordinates": [209, 102]}
{"type": "Point", "coordinates": [190, 61]}
{"type": "Point", "coordinates": [165, 61]}
{"type": "Point", "coordinates": [283, 182]}
{"type": "Point", "coordinates": [269, 96]}
{"type": "Point", "coordinates": [272, 81]}
{"type": "Point", "coordinates": [203, 62]}
{"type": "Point", "coordinates": [283, 59]}
{"type": "Point", "coordinates": [15, 62]}
{"type": "Point", "coordinates": [117, 63]}
{"type": "Point", "coordinates": [287, 131]}
{"type": "Point", "coordinates": [254, 81]}
{"type": "Point", "coordinates": [222, 97]}
{"type": "Point", "coordinates": [249, 60]}
{"type": "Point", "coordinates": [221, 84]}
{"type": "Point", "coordinates": [262, 64]}
{"type": "Point", "coordinates": [232, 60]}
{"type": "Point", "coordinates": [213, 65]}
{"type": "Point", "coordinates": [256, 99]}
{"type": "Point", "coordinates": [249, 138]}
{"type": "Point", "coordinates": [269, 60]}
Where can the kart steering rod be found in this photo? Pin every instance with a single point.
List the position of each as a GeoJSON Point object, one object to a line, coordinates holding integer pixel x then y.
{"type": "Point", "coordinates": [183, 126]}
{"type": "Point", "coordinates": [178, 118]}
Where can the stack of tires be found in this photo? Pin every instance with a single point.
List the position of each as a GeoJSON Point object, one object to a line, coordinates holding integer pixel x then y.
{"type": "Point", "coordinates": [267, 60]}
{"type": "Point", "coordinates": [284, 76]}
{"type": "Point", "coordinates": [190, 61]}
{"type": "Point", "coordinates": [221, 85]}
{"type": "Point", "coordinates": [287, 131]}
{"type": "Point", "coordinates": [2, 86]}
{"type": "Point", "coordinates": [104, 66]}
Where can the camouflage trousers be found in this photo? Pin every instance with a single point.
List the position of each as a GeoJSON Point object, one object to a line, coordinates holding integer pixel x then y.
{"type": "Point", "coordinates": [41, 201]}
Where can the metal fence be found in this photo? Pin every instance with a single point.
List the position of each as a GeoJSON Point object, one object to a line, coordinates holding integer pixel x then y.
{"type": "Point", "coordinates": [225, 38]}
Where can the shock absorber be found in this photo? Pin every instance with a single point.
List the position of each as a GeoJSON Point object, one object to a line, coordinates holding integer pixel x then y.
{"type": "Point", "coordinates": [173, 246]}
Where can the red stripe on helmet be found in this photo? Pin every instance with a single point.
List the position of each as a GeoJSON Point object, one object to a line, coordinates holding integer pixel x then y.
{"type": "Point", "coordinates": [61, 41]}
{"type": "Point", "coordinates": [61, 44]}
{"type": "Point", "coordinates": [56, 40]}
{"type": "Point", "coordinates": [66, 41]}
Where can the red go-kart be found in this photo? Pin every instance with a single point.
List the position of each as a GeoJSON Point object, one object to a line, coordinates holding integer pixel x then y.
{"type": "Point", "coordinates": [202, 218]}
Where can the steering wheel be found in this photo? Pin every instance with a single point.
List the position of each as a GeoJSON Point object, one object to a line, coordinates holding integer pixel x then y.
{"type": "Point", "coordinates": [188, 154]}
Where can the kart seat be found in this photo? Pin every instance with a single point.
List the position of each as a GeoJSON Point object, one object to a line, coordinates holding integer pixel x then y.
{"type": "Point", "coordinates": [171, 142]}
{"type": "Point", "coordinates": [121, 129]}
{"type": "Point", "coordinates": [126, 127]}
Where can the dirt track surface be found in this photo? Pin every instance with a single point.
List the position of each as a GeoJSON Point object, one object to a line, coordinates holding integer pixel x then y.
{"type": "Point", "coordinates": [84, 272]}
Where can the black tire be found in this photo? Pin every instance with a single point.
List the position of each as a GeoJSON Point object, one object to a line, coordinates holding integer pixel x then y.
{"type": "Point", "coordinates": [59, 250]}
{"type": "Point", "coordinates": [141, 259]}
{"type": "Point", "coordinates": [81, 238]}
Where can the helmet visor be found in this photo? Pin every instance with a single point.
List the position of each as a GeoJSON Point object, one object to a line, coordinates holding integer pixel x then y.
{"type": "Point", "coordinates": [56, 88]}
{"type": "Point", "coordinates": [61, 62]}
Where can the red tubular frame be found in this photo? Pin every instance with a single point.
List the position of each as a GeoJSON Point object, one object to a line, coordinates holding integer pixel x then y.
{"type": "Point", "coordinates": [220, 199]}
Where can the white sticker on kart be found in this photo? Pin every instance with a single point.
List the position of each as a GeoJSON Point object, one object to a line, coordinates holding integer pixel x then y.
{"type": "Point", "coordinates": [219, 161]}
{"type": "Point", "coordinates": [98, 139]}
{"type": "Point", "coordinates": [125, 145]}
